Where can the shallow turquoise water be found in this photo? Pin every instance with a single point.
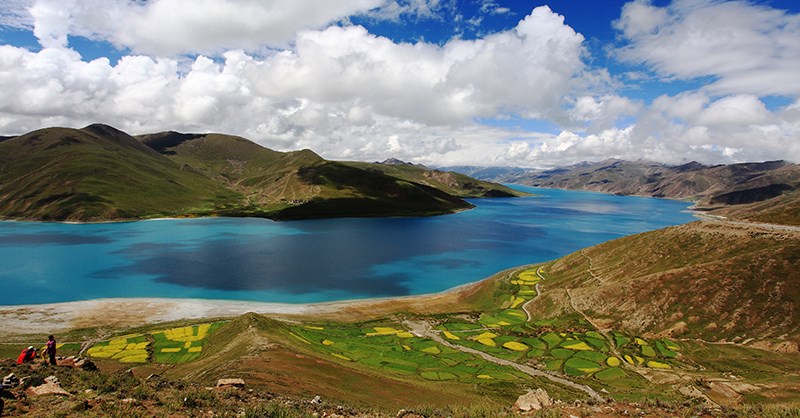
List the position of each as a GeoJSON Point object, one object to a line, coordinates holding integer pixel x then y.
{"type": "Point", "coordinates": [312, 261]}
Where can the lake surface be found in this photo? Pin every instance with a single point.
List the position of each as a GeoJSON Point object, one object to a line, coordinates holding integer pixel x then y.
{"type": "Point", "coordinates": [312, 261]}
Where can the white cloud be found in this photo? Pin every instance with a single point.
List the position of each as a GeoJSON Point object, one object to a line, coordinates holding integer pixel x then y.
{"type": "Point", "coordinates": [745, 47]}
{"type": "Point", "coordinates": [601, 113]}
{"type": "Point", "coordinates": [347, 93]}
{"type": "Point", "coordinates": [419, 9]}
{"type": "Point", "coordinates": [677, 129]}
{"type": "Point", "coordinates": [174, 27]}
{"type": "Point", "coordinates": [340, 91]}
{"type": "Point", "coordinates": [14, 14]}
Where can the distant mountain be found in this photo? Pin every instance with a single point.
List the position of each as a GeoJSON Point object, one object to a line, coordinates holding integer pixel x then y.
{"type": "Point", "coordinates": [487, 173]}
{"type": "Point", "coordinates": [709, 185]}
{"type": "Point", "coordinates": [101, 173]}
{"type": "Point", "coordinates": [718, 188]}
{"type": "Point", "coordinates": [451, 182]}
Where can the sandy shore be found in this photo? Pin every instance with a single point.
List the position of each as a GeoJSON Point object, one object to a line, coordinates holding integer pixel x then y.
{"type": "Point", "coordinates": [60, 317]}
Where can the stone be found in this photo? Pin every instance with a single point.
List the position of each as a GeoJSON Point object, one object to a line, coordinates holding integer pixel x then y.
{"type": "Point", "coordinates": [10, 381]}
{"type": "Point", "coordinates": [317, 400]}
{"type": "Point", "coordinates": [534, 399]}
{"type": "Point", "coordinates": [230, 383]}
{"type": "Point", "coordinates": [50, 387]}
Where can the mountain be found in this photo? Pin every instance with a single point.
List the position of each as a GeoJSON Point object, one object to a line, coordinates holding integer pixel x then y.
{"type": "Point", "coordinates": [97, 173]}
{"type": "Point", "coordinates": [451, 182]}
{"type": "Point", "coordinates": [721, 189]}
{"type": "Point", "coordinates": [100, 173]}
{"type": "Point", "coordinates": [714, 185]}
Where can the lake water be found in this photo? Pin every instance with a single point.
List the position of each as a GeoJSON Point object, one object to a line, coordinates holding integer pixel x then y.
{"type": "Point", "coordinates": [312, 261]}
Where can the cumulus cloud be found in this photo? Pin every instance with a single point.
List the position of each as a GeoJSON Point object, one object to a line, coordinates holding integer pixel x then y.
{"type": "Point", "coordinates": [341, 90]}
{"type": "Point", "coordinates": [349, 94]}
{"type": "Point", "coordinates": [677, 129]}
{"type": "Point", "coordinates": [601, 113]}
{"type": "Point", "coordinates": [174, 27]}
{"type": "Point", "coordinates": [745, 47]}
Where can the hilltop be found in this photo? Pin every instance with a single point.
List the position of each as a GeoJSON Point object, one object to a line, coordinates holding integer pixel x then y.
{"type": "Point", "coordinates": [100, 173]}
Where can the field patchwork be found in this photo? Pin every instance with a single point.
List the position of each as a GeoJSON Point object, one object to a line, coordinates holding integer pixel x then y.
{"type": "Point", "coordinates": [171, 346]}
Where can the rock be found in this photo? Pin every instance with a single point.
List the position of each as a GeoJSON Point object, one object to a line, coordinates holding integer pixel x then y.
{"type": "Point", "coordinates": [533, 400]}
{"type": "Point", "coordinates": [230, 383]}
{"type": "Point", "coordinates": [317, 400]}
{"type": "Point", "coordinates": [153, 377]}
{"type": "Point", "coordinates": [10, 381]}
{"type": "Point", "coordinates": [401, 413]}
{"type": "Point", "coordinates": [50, 387]}
{"type": "Point", "coordinates": [82, 363]}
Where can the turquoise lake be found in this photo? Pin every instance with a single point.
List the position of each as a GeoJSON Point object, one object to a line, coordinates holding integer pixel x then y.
{"type": "Point", "coordinates": [312, 261]}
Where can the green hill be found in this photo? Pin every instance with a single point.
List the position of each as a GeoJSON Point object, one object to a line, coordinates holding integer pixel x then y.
{"type": "Point", "coordinates": [451, 182]}
{"type": "Point", "coordinates": [300, 184]}
{"type": "Point", "coordinates": [99, 173]}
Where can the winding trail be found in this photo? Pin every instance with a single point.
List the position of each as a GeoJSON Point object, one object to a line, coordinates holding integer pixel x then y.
{"type": "Point", "coordinates": [423, 329]}
{"type": "Point", "coordinates": [538, 293]}
{"type": "Point", "coordinates": [591, 272]}
{"type": "Point", "coordinates": [756, 225]}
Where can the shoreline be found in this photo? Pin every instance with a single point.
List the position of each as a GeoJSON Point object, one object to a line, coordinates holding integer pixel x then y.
{"type": "Point", "coordinates": [60, 317]}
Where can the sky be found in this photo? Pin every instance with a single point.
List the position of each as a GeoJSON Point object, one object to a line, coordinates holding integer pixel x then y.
{"type": "Point", "coordinates": [522, 83]}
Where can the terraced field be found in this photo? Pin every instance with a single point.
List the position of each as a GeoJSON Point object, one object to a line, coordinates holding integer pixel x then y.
{"type": "Point", "coordinates": [171, 346]}
{"type": "Point", "coordinates": [502, 332]}
{"type": "Point", "coordinates": [505, 333]}
{"type": "Point", "coordinates": [393, 349]}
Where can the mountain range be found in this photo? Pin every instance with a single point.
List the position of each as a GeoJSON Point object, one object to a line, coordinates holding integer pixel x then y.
{"type": "Point", "coordinates": [99, 173]}
{"type": "Point", "coordinates": [766, 192]}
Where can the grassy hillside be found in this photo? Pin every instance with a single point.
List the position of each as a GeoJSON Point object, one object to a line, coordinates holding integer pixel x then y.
{"type": "Point", "coordinates": [97, 173]}
{"type": "Point", "coordinates": [301, 184]}
{"type": "Point", "coordinates": [705, 280]}
{"type": "Point", "coordinates": [451, 182]}
{"type": "Point", "coordinates": [783, 210]}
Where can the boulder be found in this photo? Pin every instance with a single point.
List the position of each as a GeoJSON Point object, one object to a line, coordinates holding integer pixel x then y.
{"type": "Point", "coordinates": [10, 381]}
{"type": "Point", "coordinates": [534, 399]}
{"type": "Point", "coordinates": [51, 386]}
{"type": "Point", "coordinates": [230, 383]}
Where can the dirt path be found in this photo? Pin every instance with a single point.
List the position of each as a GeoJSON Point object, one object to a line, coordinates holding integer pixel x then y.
{"type": "Point", "coordinates": [591, 272]}
{"type": "Point", "coordinates": [423, 329]}
{"type": "Point", "coordinates": [756, 225]}
{"type": "Point", "coordinates": [538, 292]}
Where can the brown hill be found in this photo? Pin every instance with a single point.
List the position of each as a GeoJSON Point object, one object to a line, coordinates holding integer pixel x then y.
{"type": "Point", "coordinates": [710, 280]}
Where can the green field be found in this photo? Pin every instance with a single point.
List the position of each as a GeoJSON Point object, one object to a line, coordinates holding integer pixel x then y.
{"type": "Point", "coordinates": [391, 348]}
{"type": "Point", "coordinates": [170, 346]}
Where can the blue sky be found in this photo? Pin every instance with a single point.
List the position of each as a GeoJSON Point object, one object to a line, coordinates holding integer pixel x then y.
{"type": "Point", "coordinates": [483, 82]}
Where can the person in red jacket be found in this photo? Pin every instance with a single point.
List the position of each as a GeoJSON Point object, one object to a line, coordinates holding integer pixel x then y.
{"type": "Point", "coordinates": [28, 354]}
{"type": "Point", "coordinates": [51, 349]}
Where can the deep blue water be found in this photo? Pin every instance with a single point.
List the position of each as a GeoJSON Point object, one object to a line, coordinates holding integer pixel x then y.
{"type": "Point", "coordinates": [312, 261]}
